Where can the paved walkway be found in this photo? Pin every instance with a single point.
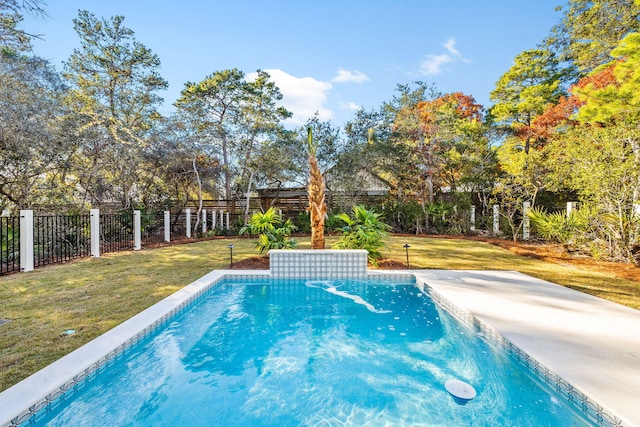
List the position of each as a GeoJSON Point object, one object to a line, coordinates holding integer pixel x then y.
{"type": "Point", "coordinates": [592, 343]}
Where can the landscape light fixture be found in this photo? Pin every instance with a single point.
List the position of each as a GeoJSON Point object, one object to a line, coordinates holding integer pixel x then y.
{"type": "Point", "coordinates": [406, 248]}
{"type": "Point", "coordinates": [231, 255]}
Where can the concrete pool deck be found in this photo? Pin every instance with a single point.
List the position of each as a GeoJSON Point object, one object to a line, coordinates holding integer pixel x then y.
{"type": "Point", "coordinates": [592, 343]}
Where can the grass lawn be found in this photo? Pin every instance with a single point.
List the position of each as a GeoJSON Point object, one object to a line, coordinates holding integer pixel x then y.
{"type": "Point", "coordinates": [94, 295]}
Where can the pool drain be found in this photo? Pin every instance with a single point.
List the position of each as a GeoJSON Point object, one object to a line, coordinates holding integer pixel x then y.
{"type": "Point", "coordinates": [461, 391]}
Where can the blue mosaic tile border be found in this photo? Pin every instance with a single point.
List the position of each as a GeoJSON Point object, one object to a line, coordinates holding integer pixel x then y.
{"type": "Point", "coordinates": [318, 264]}
{"type": "Point", "coordinates": [396, 278]}
{"type": "Point", "coordinates": [79, 381]}
{"type": "Point", "coordinates": [572, 395]}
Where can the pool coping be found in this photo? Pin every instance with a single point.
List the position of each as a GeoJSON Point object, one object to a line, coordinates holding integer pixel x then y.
{"type": "Point", "coordinates": [584, 346]}
{"type": "Point", "coordinates": [470, 295]}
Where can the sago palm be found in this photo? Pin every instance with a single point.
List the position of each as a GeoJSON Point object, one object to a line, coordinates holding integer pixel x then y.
{"type": "Point", "coordinates": [273, 230]}
{"type": "Point", "coordinates": [363, 230]}
{"type": "Point", "coordinates": [317, 206]}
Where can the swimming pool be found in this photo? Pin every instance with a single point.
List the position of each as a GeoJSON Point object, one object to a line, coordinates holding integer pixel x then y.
{"type": "Point", "coordinates": [262, 351]}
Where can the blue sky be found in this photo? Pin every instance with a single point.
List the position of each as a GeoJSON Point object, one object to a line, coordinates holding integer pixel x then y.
{"type": "Point", "coordinates": [329, 56]}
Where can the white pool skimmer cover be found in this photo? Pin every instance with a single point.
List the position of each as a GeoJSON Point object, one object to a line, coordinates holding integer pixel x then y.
{"type": "Point", "coordinates": [460, 390]}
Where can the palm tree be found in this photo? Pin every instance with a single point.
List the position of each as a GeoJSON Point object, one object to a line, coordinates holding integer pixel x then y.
{"type": "Point", "coordinates": [317, 206]}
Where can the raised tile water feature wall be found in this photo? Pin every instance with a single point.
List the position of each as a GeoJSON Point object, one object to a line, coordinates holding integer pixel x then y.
{"type": "Point", "coordinates": [318, 263]}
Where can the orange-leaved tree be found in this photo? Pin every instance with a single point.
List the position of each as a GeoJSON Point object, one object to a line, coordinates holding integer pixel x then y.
{"type": "Point", "coordinates": [435, 128]}
{"type": "Point", "coordinates": [563, 114]}
{"type": "Point", "coordinates": [317, 206]}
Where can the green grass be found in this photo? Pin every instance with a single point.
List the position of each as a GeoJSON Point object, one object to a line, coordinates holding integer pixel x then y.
{"type": "Point", "coordinates": [94, 295]}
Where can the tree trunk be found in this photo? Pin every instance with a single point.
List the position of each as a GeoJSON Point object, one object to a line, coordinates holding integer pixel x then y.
{"type": "Point", "coordinates": [248, 198]}
{"type": "Point", "coordinates": [226, 169]}
{"type": "Point", "coordinates": [195, 171]}
{"type": "Point", "coordinates": [317, 206]}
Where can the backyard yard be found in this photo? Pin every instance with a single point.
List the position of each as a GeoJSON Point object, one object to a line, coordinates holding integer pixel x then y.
{"type": "Point", "coordinates": [90, 296]}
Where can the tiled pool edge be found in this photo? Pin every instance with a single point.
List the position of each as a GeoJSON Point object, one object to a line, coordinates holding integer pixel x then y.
{"type": "Point", "coordinates": [580, 401]}
{"type": "Point", "coordinates": [43, 387]}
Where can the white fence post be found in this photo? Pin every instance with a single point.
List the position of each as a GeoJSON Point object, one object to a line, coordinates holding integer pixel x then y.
{"type": "Point", "coordinates": [95, 233]}
{"type": "Point", "coordinates": [137, 231]}
{"type": "Point", "coordinates": [496, 219]}
{"type": "Point", "coordinates": [526, 222]}
{"type": "Point", "coordinates": [571, 206]}
{"type": "Point", "coordinates": [204, 221]}
{"type": "Point", "coordinates": [167, 226]}
{"type": "Point", "coordinates": [472, 219]}
{"type": "Point", "coordinates": [26, 240]}
{"type": "Point", "coordinates": [188, 223]}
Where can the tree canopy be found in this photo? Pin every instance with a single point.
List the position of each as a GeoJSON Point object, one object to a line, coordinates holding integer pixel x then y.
{"type": "Point", "coordinates": [591, 29]}
{"type": "Point", "coordinates": [14, 39]}
{"type": "Point", "coordinates": [562, 126]}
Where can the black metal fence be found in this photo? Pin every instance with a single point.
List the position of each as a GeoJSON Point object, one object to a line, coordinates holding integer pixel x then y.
{"type": "Point", "coordinates": [152, 228]}
{"type": "Point", "coordinates": [60, 238]}
{"type": "Point", "coordinates": [9, 244]}
{"type": "Point", "coordinates": [116, 232]}
{"type": "Point", "coordinates": [179, 224]}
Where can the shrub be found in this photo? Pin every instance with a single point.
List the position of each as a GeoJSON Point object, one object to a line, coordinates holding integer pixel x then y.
{"type": "Point", "coordinates": [363, 230]}
{"type": "Point", "coordinates": [406, 217]}
{"type": "Point", "coordinates": [333, 223]}
{"type": "Point", "coordinates": [303, 222]}
{"type": "Point", "coordinates": [571, 231]}
{"type": "Point", "coordinates": [273, 231]}
{"type": "Point", "coordinates": [550, 226]}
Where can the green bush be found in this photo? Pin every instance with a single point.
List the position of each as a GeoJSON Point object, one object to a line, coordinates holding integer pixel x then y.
{"type": "Point", "coordinates": [570, 231]}
{"type": "Point", "coordinates": [404, 217]}
{"type": "Point", "coordinates": [273, 231]}
{"type": "Point", "coordinates": [363, 230]}
{"type": "Point", "coordinates": [303, 222]}
{"type": "Point", "coordinates": [332, 223]}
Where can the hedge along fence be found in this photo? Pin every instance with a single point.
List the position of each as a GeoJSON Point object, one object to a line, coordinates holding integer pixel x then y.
{"type": "Point", "coordinates": [30, 241]}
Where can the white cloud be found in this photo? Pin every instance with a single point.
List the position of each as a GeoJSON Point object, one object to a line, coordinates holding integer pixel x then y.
{"type": "Point", "coordinates": [450, 45]}
{"type": "Point", "coordinates": [350, 106]}
{"type": "Point", "coordinates": [432, 64]}
{"type": "Point", "coordinates": [347, 76]}
{"type": "Point", "coordinates": [302, 96]}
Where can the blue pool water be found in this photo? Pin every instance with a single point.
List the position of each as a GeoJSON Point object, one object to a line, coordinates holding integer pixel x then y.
{"type": "Point", "coordinates": [311, 353]}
